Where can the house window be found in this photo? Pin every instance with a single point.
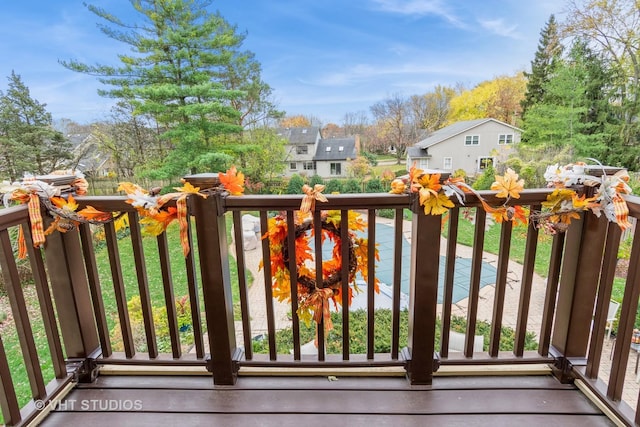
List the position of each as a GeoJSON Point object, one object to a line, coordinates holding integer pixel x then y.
{"type": "Point", "coordinates": [341, 148]}
{"type": "Point", "coordinates": [484, 162]}
{"type": "Point", "coordinates": [505, 138]}
{"type": "Point", "coordinates": [336, 168]}
{"type": "Point", "coordinates": [301, 149]}
{"type": "Point", "coordinates": [447, 163]}
{"type": "Point", "coordinates": [472, 140]}
{"type": "Point", "coordinates": [293, 166]}
{"type": "Point", "coordinates": [328, 149]}
{"type": "Point", "coordinates": [309, 166]}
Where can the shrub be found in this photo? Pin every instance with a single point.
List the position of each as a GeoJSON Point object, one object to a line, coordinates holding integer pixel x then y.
{"type": "Point", "coordinates": [374, 186]}
{"type": "Point", "coordinates": [386, 213]}
{"type": "Point", "coordinates": [352, 186]}
{"type": "Point", "coordinates": [334, 186]}
{"type": "Point", "coordinates": [295, 184]}
{"type": "Point", "coordinates": [485, 180]}
{"type": "Point", "coordinates": [161, 324]}
{"type": "Point", "coordinates": [316, 179]}
{"type": "Point", "coordinates": [382, 334]}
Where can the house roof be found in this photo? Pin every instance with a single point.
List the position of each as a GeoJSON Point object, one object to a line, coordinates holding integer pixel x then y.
{"type": "Point", "coordinates": [417, 152]}
{"type": "Point", "coordinates": [306, 135]}
{"type": "Point", "coordinates": [336, 149]}
{"type": "Point", "coordinates": [455, 129]}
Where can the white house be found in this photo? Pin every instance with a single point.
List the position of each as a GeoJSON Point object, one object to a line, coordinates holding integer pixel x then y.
{"type": "Point", "coordinates": [470, 145]}
{"type": "Point", "coordinates": [309, 154]}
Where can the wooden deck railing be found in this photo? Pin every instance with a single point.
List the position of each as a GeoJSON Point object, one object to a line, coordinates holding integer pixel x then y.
{"type": "Point", "coordinates": [578, 288]}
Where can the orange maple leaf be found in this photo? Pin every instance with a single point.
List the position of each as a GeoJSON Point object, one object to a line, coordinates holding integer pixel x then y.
{"type": "Point", "coordinates": [414, 173]}
{"type": "Point", "coordinates": [187, 188]}
{"type": "Point", "coordinates": [508, 185]}
{"type": "Point", "coordinates": [437, 205]}
{"type": "Point", "coordinates": [130, 188]}
{"type": "Point", "coordinates": [67, 205]}
{"type": "Point", "coordinates": [232, 181]}
{"type": "Point", "coordinates": [92, 213]}
{"type": "Point", "coordinates": [430, 181]}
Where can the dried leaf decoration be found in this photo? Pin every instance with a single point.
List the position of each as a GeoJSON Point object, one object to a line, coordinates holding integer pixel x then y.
{"type": "Point", "coordinates": [508, 185]}
{"type": "Point", "coordinates": [232, 181]}
{"type": "Point", "coordinates": [94, 214]}
{"type": "Point", "coordinates": [437, 205]}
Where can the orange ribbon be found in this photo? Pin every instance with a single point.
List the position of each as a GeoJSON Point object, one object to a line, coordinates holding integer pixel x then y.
{"type": "Point", "coordinates": [320, 304]}
{"type": "Point", "coordinates": [35, 215]}
{"type": "Point", "coordinates": [621, 211]}
{"type": "Point", "coordinates": [181, 205]}
{"type": "Point", "coordinates": [22, 244]}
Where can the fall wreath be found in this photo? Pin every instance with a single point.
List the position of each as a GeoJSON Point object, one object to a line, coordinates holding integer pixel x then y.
{"type": "Point", "coordinates": [314, 297]}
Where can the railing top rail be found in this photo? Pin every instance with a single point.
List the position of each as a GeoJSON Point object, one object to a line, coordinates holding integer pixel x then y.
{"type": "Point", "coordinates": [633, 202]}
{"type": "Point", "coordinates": [13, 215]}
{"type": "Point", "coordinates": [335, 201]}
{"type": "Point", "coordinates": [106, 203]}
{"type": "Point", "coordinates": [369, 200]}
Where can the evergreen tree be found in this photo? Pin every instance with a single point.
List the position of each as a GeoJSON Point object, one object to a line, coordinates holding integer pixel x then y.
{"type": "Point", "coordinates": [187, 71]}
{"type": "Point", "coordinates": [575, 111]}
{"type": "Point", "coordinates": [28, 141]}
{"type": "Point", "coordinates": [542, 67]}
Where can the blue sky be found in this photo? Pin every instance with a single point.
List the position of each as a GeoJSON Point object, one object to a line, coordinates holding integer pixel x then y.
{"type": "Point", "coordinates": [323, 58]}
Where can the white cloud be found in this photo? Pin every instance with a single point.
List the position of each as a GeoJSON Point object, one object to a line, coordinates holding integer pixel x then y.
{"type": "Point", "coordinates": [498, 26]}
{"type": "Point", "coordinates": [419, 7]}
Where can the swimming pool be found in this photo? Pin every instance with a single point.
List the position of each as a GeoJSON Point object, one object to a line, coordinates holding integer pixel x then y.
{"type": "Point", "coordinates": [384, 268]}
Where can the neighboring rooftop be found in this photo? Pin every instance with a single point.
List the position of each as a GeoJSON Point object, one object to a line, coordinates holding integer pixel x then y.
{"type": "Point", "coordinates": [336, 149]}
{"type": "Point", "coordinates": [307, 135]}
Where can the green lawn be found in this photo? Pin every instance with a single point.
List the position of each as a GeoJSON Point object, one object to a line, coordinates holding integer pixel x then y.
{"type": "Point", "coordinates": [9, 333]}
{"type": "Point", "coordinates": [518, 243]}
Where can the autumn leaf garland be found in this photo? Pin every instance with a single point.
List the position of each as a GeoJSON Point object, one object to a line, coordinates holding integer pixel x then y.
{"type": "Point", "coordinates": [156, 217]}
{"type": "Point", "coordinates": [560, 207]}
{"type": "Point", "coordinates": [66, 216]}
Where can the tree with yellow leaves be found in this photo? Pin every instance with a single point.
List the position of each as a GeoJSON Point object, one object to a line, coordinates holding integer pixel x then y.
{"type": "Point", "coordinates": [498, 98]}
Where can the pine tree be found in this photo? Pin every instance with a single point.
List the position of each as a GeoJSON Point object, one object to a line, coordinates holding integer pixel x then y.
{"type": "Point", "coordinates": [186, 70]}
{"type": "Point", "coordinates": [542, 67]}
{"type": "Point", "coordinates": [574, 112]}
{"type": "Point", "coordinates": [28, 142]}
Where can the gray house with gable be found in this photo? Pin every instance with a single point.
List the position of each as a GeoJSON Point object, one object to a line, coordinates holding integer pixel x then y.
{"type": "Point", "coordinates": [470, 145]}
{"type": "Point", "coordinates": [309, 154]}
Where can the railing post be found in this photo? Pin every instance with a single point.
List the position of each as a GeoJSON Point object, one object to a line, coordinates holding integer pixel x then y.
{"type": "Point", "coordinates": [70, 288]}
{"type": "Point", "coordinates": [216, 286]}
{"type": "Point", "coordinates": [423, 294]}
{"type": "Point", "coordinates": [577, 291]}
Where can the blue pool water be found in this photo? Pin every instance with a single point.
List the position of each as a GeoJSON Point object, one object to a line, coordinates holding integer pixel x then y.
{"type": "Point", "coordinates": [384, 268]}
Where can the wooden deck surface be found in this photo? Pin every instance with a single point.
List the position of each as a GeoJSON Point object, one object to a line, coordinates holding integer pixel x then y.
{"type": "Point", "coordinates": [316, 401]}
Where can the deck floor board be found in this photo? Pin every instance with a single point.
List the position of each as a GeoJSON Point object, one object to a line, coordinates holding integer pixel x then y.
{"type": "Point", "coordinates": [284, 401]}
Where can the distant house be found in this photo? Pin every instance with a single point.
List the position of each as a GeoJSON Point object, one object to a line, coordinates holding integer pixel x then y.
{"type": "Point", "coordinates": [470, 145]}
{"type": "Point", "coordinates": [309, 154]}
